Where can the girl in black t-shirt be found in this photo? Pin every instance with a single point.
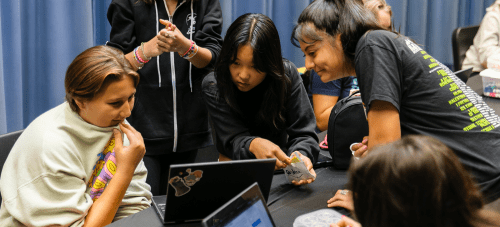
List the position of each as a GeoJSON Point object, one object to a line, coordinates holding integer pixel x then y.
{"type": "Point", "coordinates": [404, 89]}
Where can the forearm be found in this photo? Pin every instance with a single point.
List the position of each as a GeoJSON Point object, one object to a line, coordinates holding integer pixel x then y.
{"type": "Point", "coordinates": [104, 209]}
{"type": "Point", "coordinates": [202, 58]}
{"type": "Point", "coordinates": [383, 124]}
{"type": "Point", "coordinates": [322, 119]}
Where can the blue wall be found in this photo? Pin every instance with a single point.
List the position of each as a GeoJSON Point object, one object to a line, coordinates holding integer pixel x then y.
{"type": "Point", "coordinates": [40, 38]}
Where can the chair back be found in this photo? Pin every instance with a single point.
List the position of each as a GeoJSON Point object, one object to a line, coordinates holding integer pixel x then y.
{"type": "Point", "coordinates": [7, 141]}
{"type": "Point", "coordinates": [461, 39]}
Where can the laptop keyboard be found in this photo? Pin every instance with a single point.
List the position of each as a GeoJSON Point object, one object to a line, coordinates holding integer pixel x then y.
{"type": "Point", "coordinates": [162, 208]}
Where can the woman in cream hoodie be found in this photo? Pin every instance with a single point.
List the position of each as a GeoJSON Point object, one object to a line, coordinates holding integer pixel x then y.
{"type": "Point", "coordinates": [60, 169]}
{"type": "Point", "coordinates": [486, 42]}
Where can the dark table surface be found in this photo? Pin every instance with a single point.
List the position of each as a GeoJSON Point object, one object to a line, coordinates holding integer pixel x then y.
{"type": "Point", "coordinates": [286, 201]}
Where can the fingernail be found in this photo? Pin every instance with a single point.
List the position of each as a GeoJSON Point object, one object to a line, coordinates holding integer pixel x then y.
{"type": "Point", "coordinates": [343, 216]}
{"type": "Point", "coordinates": [364, 141]}
{"type": "Point", "coordinates": [364, 147]}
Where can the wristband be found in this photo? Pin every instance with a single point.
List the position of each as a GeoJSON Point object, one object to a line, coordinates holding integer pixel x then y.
{"type": "Point", "coordinates": [144, 54]}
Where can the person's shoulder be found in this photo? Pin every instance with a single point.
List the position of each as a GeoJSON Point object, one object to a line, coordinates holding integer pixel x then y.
{"type": "Point", "coordinates": [209, 84]}
{"type": "Point", "coordinates": [378, 36]}
{"type": "Point", "coordinates": [209, 80]}
{"type": "Point", "coordinates": [290, 69]}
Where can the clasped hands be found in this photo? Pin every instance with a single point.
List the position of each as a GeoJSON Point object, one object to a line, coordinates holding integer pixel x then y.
{"type": "Point", "coordinates": [264, 149]}
{"type": "Point", "coordinates": [169, 39]}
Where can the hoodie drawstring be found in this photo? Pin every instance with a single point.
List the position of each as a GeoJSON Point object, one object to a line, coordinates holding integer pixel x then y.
{"type": "Point", "coordinates": [191, 30]}
{"type": "Point", "coordinates": [158, 57]}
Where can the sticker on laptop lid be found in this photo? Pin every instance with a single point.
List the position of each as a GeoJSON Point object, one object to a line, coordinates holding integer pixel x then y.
{"type": "Point", "coordinates": [182, 185]}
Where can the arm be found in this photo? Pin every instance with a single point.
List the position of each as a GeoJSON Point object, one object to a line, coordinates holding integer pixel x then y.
{"type": "Point", "coordinates": [326, 95]}
{"type": "Point", "coordinates": [105, 207]}
{"type": "Point", "coordinates": [123, 34]}
{"type": "Point", "coordinates": [323, 105]}
{"type": "Point", "coordinates": [378, 69]}
{"type": "Point", "coordinates": [138, 195]}
{"type": "Point", "coordinates": [229, 129]}
{"type": "Point", "coordinates": [207, 37]}
{"type": "Point", "coordinates": [488, 37]}
{"type": "Point", "coordinates": [236, 140]}
{"type": "Point", "coordinates": [383, 124]}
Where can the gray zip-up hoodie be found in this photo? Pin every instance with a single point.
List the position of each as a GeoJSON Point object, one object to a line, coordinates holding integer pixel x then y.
{"type": "Point", "coordinates": [169, 111]}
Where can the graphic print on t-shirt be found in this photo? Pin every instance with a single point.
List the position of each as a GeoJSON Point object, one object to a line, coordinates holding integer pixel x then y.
{"type": "Point", "coordinates": [104, 170]}
{"type": "Point", "coordinates": [465, 99]}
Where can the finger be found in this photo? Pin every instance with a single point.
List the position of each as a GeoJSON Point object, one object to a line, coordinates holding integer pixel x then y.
{"type": "Point", "coordinates": [339, 203]}
{"type": "Point", "coordinates": [341, 223]}
{"type": "Point", "coordinates": [337, 198]}
{"type": "Point", "coordinates": [280, 155]}
{"type": "Point", "coordinates": [331, 199]}
{"type": "Point", "coordinates": [298, 183]}
{"type": "Point", "coordinates": [361, 151]}
{"type": "Point", "coordinates": [357, 146]}
{"type": "Point", "coordinates": [365, 140]}
{"type": "Point", "coordinates": [280, 164]}
{"type": "Point", "coordinates": [129, 131]}
{"type": "Point", "coordinates": [364, 154]}
{"type": "Point", "coordinates": [118, 138]}
{"type": "Point", "coordinates": [165, 22]}
{"type": "Point", "coordinates": [349, 222]}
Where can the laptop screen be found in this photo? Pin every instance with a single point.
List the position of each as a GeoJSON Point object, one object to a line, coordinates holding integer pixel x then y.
{"type": "Point", "coordinates": [254, 216]}
{"type": "Point", "coordinates": [246, 209]}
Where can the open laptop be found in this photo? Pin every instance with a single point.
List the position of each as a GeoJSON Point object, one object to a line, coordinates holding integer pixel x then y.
{"type": "Point", "coordinates": [246, 209]}
{"type": "Point", "coordinates": [196, 190]}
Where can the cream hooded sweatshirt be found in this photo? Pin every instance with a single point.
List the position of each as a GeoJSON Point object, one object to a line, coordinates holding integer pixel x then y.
{"type": "Point", "coordinates": [487, 40]}
{"type": "Point", "coordinates": [52, 169]}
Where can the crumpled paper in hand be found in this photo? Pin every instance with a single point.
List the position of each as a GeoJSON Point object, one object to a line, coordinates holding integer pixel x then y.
{"type": "Point", "coordinates": [297, 170]}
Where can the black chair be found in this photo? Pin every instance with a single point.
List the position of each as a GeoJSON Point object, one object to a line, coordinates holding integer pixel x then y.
{"type": "Point", "coordinates": [6, 143]}
{"type": "Point", "coordinates": [461, 39]}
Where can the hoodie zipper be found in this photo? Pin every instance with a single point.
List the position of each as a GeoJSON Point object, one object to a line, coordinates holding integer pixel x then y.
{"type": "Point", "coordinates": [172, 69]}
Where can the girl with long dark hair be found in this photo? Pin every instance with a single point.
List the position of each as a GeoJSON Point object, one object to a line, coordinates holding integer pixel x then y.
{"type": "Point", "coordinates": [256, 99]}
{"type": "Point", "coordinates": [404, 89]}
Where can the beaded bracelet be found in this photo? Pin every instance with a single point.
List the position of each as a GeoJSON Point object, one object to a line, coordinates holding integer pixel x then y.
{"type": "Point", "coordinates": [136, 51]}
{"type": "Point", "coordinates": [144, 54]}
{"type": "Point", "coordinates": [191, 48]}
{"type": "Point", "coordinates": [135, 57]}
{"type": "Point", "coordinates": [192, 53]}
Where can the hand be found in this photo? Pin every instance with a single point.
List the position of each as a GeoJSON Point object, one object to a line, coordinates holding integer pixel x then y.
{"type": "Point", "coordinates": [263, 149]}
{"type": "Point", "coordinates": [361, 149]}
{"type": "Point", "coordinates": [171, 39]}
{"type": "Point", "coordinates": [127, 158]}
{"type": "Point", "coordinates": [343, 198]}
{"type": "Point", "coordinates": [309, 166]}
{"type": "Point", "coordinates": [346, 222]}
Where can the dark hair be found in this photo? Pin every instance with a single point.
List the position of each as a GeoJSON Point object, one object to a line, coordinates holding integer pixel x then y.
{"type": "Point", "coordinates": [93, 70]}
{"type": "Point", "coordinates": [258, 31]}
{"type": "Point", "coordinates": [347, 18]}
{"type": "Point", "coordinates": [415, 181]}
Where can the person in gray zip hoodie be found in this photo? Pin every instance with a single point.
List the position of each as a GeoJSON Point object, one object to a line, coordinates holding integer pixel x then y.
{"type": "Point", "coordinates": [173, 44]}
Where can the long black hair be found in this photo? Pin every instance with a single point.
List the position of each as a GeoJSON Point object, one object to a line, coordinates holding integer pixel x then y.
{"type": "Point", "coordinates": [347, 18]}
{"type": "Point", "coordinates": [258, 31]}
